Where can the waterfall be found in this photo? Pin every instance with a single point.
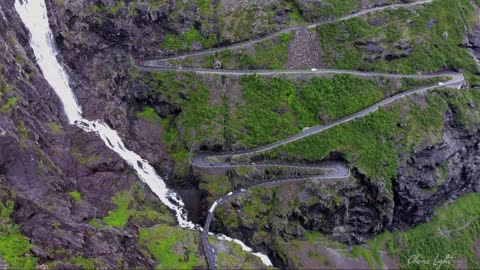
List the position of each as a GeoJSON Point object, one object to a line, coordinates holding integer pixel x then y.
{"type": "Point", "coordinates": [34, 15]}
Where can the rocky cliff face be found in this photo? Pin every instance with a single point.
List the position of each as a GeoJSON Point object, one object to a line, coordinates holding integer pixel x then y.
{"type": "Point", "coordinates": [97, 49]}
{"type": "Point", "coordinates": [437, 173]}
{"type": "Point", "coordinates": [43, 161]}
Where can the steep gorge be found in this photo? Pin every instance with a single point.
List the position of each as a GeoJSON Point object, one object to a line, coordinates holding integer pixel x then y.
{"type": "Point", "coordinates": [96, 50]}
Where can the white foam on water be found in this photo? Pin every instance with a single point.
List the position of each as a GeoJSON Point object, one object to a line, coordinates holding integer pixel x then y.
{"type": "Point", "coordinates": [264, 258]}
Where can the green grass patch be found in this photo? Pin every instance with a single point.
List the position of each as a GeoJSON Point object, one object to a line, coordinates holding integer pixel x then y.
{"type": "Point", "coordinates": [119, 217]}
{"type": "Point", "coordinates": [132, 205]}
{"type": "Point", "coordinates": [186, 40]}
{"type": "Point", "coordinates": [255, 212]}
{"type": "Point", "coordinates": [82, 262]}
{"type": "Point", "coordinates": [452, 231]}
{"type": "Point", "coordinates": [199, 122]}
{"type": "Point", "coordinates": [328, 9]}
{"type": "Point", "coordinates": [78, 154]}
{"type": "Point", "coordinates": [319, 257]}
{"type": "Point", "coordinates": [358, 251]}
{"type": "Point", "coordinates": [148, 113]}
{"type": "Point", "coordinates": [423, 29]}
{"type": "Point", "coordinates": [55, 127]}
{"type": "Point", "coordinates": [198, 117]}
{"type": "Point", "coordinates": [8, 105]}
{"type": "Point", "coordinates": [95, 223]}
{"type": "Point", "coordinates": [216, 185]}
{"type": "Point", "coordinates": [99, 8]}
{"type": "Point", "coordinates": [172, 247]}
{"type": "Point", "coordinates": [4, 89]}
{"type": "Point", "coordinates": [76, 196]}
{"type": "Point", "coordinates": [244, 171]}
{"type": "Point", "coordinates": [14, 247]}
{"type": "Point", "coordinates": [85, 263]}
{"type": "Point", "coordinates": [269, 54]}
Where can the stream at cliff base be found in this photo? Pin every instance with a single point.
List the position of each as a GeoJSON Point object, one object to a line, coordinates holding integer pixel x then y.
{"type": "Point", "coordinates": [34, 15]}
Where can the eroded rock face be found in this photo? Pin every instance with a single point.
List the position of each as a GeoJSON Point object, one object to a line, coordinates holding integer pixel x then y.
{"type": "Point", "coordinates": [43, 159]}
{"type": "Point", "coordinates": [97, 51]}
{"type": "Point", "coordinates": [374, 50]}
{"type": "Point", "coordinates": [436, 174]}
{"type": "Point", "coordinates": [349, 211]}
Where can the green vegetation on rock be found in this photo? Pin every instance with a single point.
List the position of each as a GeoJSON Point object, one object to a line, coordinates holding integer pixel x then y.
{"type": "Point", "coordinates": [255, 110]}
{"type": "Point", "coordinates": [80, 156]}
{"type": "Point", "coordinates": [84, 263]}
{"type": "Point", "coordinates": [424, 39]}
{"type": "Point", "coordinates": [186, 40]}
{"type": "Point", "coordinates": [14, 247]}
{"type": "Point", "coordinates": [199, 121]}
{"type": "Point", "coordinates": [454, 230]}
{"type": "Point", "coordinates": [128, 207]}
{"type": "Point", "coordinates": [55, 127]}
{"type": "Point", "coordinates": [276, 108]}
{"type": "Point", "coordinates": [149, 114]}
{"type": "Point", "coordinates": [119, 217]}
{"type": "Point", "coordinates": [76, 196]}
{"type": "Point", "coordinates": [23, 133]}
{"type": "Point", "coordinates": [216, 185]}
{"type": "Point", "coordinates": [269, 54]}
{"type": "Point", "coordinates": [369, 142]}
{"type": "Point", "coordinates": [231, 256]}
{"type": "Point", "coordinates": [8, 105]}
{"type": "Point", "coordinates": [172, 247]}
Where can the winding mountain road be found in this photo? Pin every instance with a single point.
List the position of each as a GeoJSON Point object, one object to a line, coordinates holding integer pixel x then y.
{"type": "Point", "coordinates": [333, 170]}
{"type": "Point", "coordinates": [290, 29]}
{"type": "Point", "coordinates": [456, 80]}
{"type": "Point", "coordinates": [340, 170]}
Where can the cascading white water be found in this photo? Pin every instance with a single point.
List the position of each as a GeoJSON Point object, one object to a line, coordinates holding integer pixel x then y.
{"type": "Point", "coordinates": [34, 15]}
{"type": "Point", "coordinates": [264, 258]}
